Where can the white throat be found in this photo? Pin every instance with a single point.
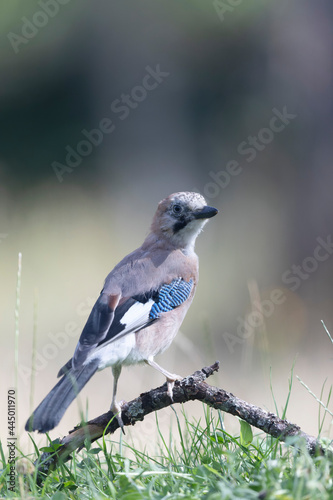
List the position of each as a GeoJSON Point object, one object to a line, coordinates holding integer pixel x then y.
{"type": "Point", "coordinates": [185, 239]}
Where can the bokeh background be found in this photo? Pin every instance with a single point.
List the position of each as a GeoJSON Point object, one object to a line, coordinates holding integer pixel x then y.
{"type": "Point", "coordinates": [223, 70]}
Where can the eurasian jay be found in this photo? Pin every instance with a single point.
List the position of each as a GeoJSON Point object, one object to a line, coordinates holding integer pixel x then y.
{"type": "Point", "coordinates": [140, 309]}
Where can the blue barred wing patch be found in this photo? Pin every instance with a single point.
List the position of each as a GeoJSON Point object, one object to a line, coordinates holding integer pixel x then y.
{"type": "Point", "coordinates": [171, 296]}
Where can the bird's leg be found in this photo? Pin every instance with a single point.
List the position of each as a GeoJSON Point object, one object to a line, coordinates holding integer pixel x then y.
{"type": "Point", "coordinates": [116, 407]}
{"type": "Point", "coordinates": [171, 377]}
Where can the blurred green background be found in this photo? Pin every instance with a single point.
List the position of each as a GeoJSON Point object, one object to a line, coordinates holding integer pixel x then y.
{"type": "Point", "coordinates": [205, 122]}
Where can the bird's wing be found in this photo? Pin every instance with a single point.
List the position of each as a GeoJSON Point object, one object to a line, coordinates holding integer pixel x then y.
{"type": "Point", "coordinates": [96, 328]}
{"type": "Point", "coordinates": [94, 331]}
{"type": "Point", "coordinates": [113, 316]}
{"type": "Point", "coordinates": [139, 311]}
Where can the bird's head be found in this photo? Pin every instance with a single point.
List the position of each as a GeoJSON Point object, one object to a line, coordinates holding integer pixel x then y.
{"type": "Point", "coordinates": [180, 217]}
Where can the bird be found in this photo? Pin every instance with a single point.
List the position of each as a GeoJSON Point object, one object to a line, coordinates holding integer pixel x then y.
{"type": "Point", "coordinates": [139, 310]}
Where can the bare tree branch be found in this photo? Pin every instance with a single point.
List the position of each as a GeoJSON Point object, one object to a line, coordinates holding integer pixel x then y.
{"type": "Point", "coordinates": [190, 388]}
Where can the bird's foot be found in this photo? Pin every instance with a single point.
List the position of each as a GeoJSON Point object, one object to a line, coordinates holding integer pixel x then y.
{"type": "Point", "coordinates": [116, 410]}
{"type": "Point", "coordinates": [170, 384]}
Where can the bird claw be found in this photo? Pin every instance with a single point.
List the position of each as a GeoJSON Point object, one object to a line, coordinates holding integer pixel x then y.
{"type": "Point", "coordinates": [121, 423]}
{"type": "Point", "coordinates": [116, 410]}
{"type": "Point", "coordinates": [170, 384]}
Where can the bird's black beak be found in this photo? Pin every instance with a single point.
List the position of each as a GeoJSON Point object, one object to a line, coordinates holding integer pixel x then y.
{"type": "Point", "coordinates": [206, 213]}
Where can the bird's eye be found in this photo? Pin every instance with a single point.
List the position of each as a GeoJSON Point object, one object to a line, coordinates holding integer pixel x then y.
{"type": "Point", "coordinates": [177, 208]}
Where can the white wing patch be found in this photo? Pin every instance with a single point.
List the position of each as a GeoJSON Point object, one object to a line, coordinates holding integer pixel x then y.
{"type": "Point", "coordinates": [136, 316]}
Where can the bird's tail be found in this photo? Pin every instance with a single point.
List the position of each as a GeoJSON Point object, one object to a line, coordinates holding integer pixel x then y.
{"type": "Point", "coordinates": [51, 410]}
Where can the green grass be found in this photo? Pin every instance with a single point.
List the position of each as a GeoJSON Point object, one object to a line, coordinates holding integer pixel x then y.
{"type": "Point", "coordinates": [208, 463]}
